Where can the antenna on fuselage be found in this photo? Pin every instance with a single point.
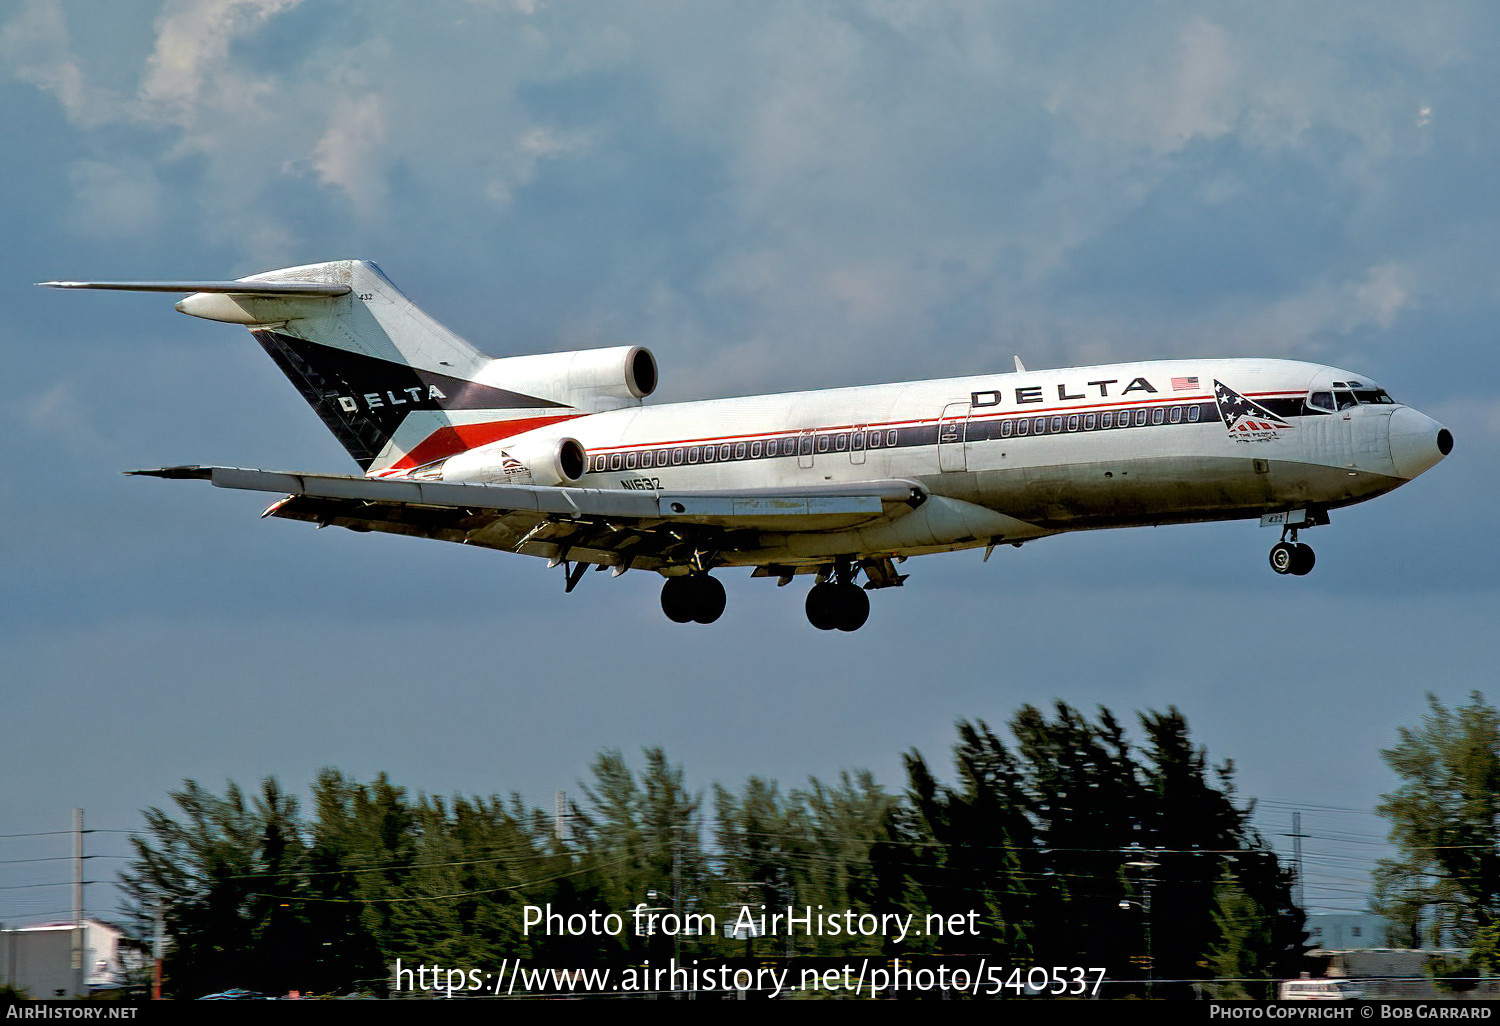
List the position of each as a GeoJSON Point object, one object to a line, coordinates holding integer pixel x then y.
{"type": "Point", "coordinates": [1020, 367]}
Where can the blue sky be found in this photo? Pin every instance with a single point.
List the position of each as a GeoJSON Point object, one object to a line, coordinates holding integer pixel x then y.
{"type": "Point", "coordinates": [771, 196]}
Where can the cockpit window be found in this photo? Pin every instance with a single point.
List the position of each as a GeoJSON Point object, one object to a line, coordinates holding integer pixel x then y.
{"type": "Point", "coordinates": [1347, 394]}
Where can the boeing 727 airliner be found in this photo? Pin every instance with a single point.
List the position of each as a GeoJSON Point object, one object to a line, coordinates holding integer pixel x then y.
{"type": "Point", "coordinates": [554, 455]}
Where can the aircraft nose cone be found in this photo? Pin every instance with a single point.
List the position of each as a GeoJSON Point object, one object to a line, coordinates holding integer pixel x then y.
{"type": "Point", "coordinates": [1417, 442]}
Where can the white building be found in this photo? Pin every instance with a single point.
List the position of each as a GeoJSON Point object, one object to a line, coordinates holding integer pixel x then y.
{"type": "Point", "coordinates": [39, 959]}
{"type": "Point", "coordinates": [1343, 931]}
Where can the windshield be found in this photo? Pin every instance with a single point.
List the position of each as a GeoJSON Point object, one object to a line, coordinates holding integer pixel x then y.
{"type": "Point", "coordinates": [1347, 394]}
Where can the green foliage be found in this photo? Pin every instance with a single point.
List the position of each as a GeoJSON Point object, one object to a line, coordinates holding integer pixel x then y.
{"type": "Point", "coordinates": [638, 829]}
{"type": "Point", "coordinates": [1047, 839]}
{"type": "Point", "coordinates": [1245, 940]}
{"type": "Point", "coordinates": [808, 848]}
{"type": "Point", "coordinates": [1462, 974]}
{"type": "Point", "coordinates": [220, 876]}
{"type": "Point", "coordinates": [1445, 823]}
{"type": "Point", "coordinates": [1034, 838]}
{"type": "Point", "coordinates": [256, 897]}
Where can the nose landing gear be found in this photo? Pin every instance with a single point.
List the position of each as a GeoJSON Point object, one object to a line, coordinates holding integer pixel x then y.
{"type": "Point", "coordinates": [1289, 556]}
{"type": "Point", "coordinates": [1292, 558]}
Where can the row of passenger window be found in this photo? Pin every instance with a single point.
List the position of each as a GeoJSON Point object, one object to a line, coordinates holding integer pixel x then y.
{"type": "Point", "coordinates": [880, 438]}
{"type": "Point", "coordinates": [761, 448]}
{"type": "Point", "coordinates": [1057, 424]}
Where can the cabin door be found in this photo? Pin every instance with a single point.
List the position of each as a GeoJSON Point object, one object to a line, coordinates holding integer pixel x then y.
{"type": "Point", "coordinates": [952, 438]}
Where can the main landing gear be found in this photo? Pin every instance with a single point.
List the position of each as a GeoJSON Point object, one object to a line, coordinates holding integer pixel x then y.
{"type": "Point", "coordinates": [692, 597]}
{"type": "Point", "coordinates": [835, 602]}
{"type": "Point", "coordinates": [838, 604]}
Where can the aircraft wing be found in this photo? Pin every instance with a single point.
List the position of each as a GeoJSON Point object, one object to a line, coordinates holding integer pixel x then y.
{"type": "Point", "coordinates": [607, 527]}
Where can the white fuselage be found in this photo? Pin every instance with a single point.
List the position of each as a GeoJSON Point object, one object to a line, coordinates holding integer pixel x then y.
{"type": "Point", "coordinates": [1009, 457]}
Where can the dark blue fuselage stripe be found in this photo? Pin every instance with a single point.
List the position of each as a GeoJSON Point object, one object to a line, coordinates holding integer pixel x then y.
{"type": "Point", "coordinates": [959, 430]}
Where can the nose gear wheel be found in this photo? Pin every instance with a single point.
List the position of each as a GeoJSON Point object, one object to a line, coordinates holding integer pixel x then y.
{"type": "Point", "coordinates": [1292, 558]}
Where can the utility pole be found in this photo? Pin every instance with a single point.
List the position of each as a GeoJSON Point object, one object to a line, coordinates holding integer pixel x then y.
{"type": "Point", "coordinates": [79, 953]}
{"type": "Point", "coordinates": [1145, 864]}
{"type": "Point", "coordinates": [158, 949]}
{"type": "Point", "coordinates": [560, 832]}
{"type": "Point", "coordinates": [677, 891]}
{"type": "Point", "coordinates": [1297, 857]}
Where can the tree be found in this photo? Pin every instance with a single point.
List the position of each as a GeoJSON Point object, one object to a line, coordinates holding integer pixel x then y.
{"type": "Point", "coordinates": [1062, 841]}
{"type": "Point", "coordinates": [1445, 823]}
{"type": "Point", "coordinates": [808, 848]}
{"type": "Point", "coordinates": [254, 896]}
{"type": "Point", "coordinates": [1057, 840]}
{"type": "Point", "coordinates": [1243, 931]}
{"type": "Point", "coordinates": [1202, 835]}
{"type": "Point", "coordinates": [223, 878]}
{"type": "Point", "coordinates": [641, 834]}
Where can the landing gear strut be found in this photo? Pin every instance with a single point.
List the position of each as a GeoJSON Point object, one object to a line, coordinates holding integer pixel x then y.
{"type": "Point", "coordinates": [839, 604]}
{"type": "Point", "coordinates": [695, 596]}
{"type": "Point", "coordinates": [1292, 557]}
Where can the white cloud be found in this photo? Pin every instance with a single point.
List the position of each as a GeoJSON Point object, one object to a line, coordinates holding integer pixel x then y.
{"type": "Point", "coordinates": [59, 413]}
{"type": "Point", "coordinates": [1154, 99]}
{"type": "Point", "coordinates": [874, 167]}
{"type": "Point", "coordinates": [347, 156]}
{"type": "Point", "coordinates": [519, 166]}
{"type": "Point", "coordinates": [36, 47]}
{"type": "Point", "coordinates": [190, 65]}
{"type": "Point", "coordinates": [1301, 324]}
{"type": "Point", "coordinates": [1331, 307]}
{"type": "Point", "coordinates": [118, 199]}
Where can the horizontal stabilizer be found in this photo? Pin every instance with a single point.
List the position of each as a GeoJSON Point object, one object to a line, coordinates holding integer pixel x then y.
{"type": "Point", "coordinates": [243, 287]}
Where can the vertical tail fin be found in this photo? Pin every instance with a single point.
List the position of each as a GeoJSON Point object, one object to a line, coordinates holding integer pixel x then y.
{"type": "Point", "coordinates": [397, 389]}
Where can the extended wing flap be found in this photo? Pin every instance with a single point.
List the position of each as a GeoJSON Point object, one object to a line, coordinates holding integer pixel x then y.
{"type": "Point", "coordinates": [586, 541]}
{"type": "Point", "coordinates": [565, 501]}
{"type": "Point", "coordinates": [597, 525]}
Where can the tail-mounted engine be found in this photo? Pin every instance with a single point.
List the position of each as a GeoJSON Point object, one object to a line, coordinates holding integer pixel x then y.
{"type": "Point", "coordinates": [549, 462]}
{"type": "Point", "coordinates": [591, 380]}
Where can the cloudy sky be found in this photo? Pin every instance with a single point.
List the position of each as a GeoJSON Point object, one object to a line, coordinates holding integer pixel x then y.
{"type": "Point", "coordinates": [771, 196]}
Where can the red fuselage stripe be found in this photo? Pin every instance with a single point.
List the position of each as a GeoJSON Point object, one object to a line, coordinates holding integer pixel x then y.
{"type": "Point", "coordinates": [457, 438]}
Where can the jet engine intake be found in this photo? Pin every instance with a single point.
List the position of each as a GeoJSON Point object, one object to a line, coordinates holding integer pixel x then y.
{"type": "Point", "coordinates": [592, 380]}
{"type": "Point", "coordinates": [548, 462]}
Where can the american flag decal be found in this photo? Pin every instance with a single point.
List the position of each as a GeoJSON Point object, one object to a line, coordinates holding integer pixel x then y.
{"type": "Point", "coordinates": [1245, 418]}
{"type": "Point", "coordinates": [1185, 384]}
